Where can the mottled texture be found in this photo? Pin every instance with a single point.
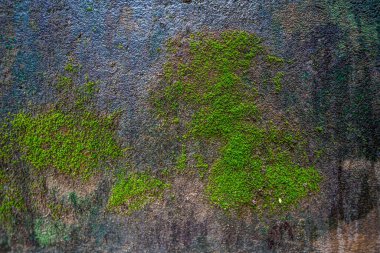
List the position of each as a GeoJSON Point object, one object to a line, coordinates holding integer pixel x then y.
{"type": "Point", "coordinates": [332, 90]}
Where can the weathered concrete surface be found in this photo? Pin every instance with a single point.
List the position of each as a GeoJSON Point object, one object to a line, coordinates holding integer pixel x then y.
{"type": "Point", "coordinates": [333, 84]}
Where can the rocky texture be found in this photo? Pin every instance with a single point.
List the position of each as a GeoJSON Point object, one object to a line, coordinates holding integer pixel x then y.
{"type": "Point", "coordinates": [332, 90]}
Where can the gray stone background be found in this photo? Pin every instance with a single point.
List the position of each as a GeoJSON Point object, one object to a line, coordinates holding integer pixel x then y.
{"type": "Point", "coordinates": [333, 83]}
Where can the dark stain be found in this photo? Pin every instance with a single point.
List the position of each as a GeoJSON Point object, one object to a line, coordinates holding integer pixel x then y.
{"type": "Point", "coordinates": [278, 233]}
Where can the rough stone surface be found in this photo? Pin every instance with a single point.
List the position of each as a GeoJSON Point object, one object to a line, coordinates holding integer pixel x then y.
{"type": "Point", "coordinates": [333, 86]}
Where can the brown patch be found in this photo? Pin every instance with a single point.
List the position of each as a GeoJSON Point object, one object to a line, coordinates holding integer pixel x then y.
{"type": "Point", "coordinates": [300, 18]}
{"type": "Point", "coordinates": [6, 76]}
{"type": "Point", "coordinates": [69, 218]}
{"type": "Point", "coordinates": [358, 236]}
{"type": "Point", "coordinates": [64, 130]}
{"type": "Point", "coordinates": [356, 165]}
{"type": "Point", "coordinates": [49, 205]}
{"type": "Point", "coordinates": [126, 19]}
{"type": "Point", "coordinates": [189, 196]}
{"type": "Point", "coordinates": [45, 146]}
{"type": "Point", "coordinates": [280, 232]}
{"type": "Point", "coordinates": [64, 185]}
{"type": "Point", "coordinates": [86, 153]}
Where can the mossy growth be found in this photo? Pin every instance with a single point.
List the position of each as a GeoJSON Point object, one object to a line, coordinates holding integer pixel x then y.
{"type": "Point", "coordinates": [75, 92]}
{"type": "Point", "coordinates": [277, 80]}
{"type": "Point", "coordinates": [210, 89]}
{"type": "Point", "coordinates": [74, 144]}
{"type": "Point", "coordinates": [201, 165]}
{"type": "Point", "coordinates": [11, 201]}
{"type": "Point", "coordinates": [50, 232]}
{"type": "Point", "coordinates": [68, 137]}
{"type": "Point", "coordinates": [182, 160]}
{"type": "Point", "coordinates": [71, 66]}
{"type": "Point", "coordinates": [135, 192]}
{"type": "Point", "coordinates": [6, 146]}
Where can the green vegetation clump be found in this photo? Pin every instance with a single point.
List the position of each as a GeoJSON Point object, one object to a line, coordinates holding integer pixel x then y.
{"type": "Point", "coordinates": [135, 192]}
{"type": "Point", "coordinates": [277, 80]}
{"type": "Point", "coordinates": [275, 59]}
{"type": "Point", "coordinates": [71, 66]}
{"type": "Point", "coordinates": [182, 160]}
{"type": "Point", "coordinates": [210, 89]}
{"type": "Point", "coordinates": [69, 137]}
{"type": "Point", "coordinates": [6, 145]}
{"type": "Point", "coordinates": [75, 144]}
{"type": "Point", "coordinates": [49, 232]}
{"type": "Point", "coordinates": [11, 201]}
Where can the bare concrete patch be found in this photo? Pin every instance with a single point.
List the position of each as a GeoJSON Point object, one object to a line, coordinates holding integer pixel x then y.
{"type": "Point", "coordinates": [64, 185]}
{"type": "Point", "coordinates": [358, 164]}
{"type": "Point", "coordinates": [355, 237]}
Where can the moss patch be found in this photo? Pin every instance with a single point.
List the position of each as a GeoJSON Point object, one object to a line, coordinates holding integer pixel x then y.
{"type": "Point", "coordinates": [72, 137]}
{"type": "Point", "coordinates": [69, 137]}
{"type": "Point", "coordinates": [210, 90]}
{"type": "Point", "coordinates": [11, 201]}
{"type": "Point", "coordinates": [135, 192]}
{"type": "Point", "coordinates": [49, 232]}
{"type": "Point", "coordinates": [75, 144]}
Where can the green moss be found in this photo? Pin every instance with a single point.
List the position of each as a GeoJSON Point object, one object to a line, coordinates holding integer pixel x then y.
{"type": "Point", "coordinates": [319, 129]}
{"type": "Point", "coordinates": [182, 160]}
{"type": "Point", "coordinates": [49, 232]}
{"type": "Point", "coordinates": [72, 94]}
{"type": "Point", "coordinates": [71, 138]}
{"type": "Point", "coordinates": [75, 144]}
{"type": "Point", "coordinates": [277, 80]}
{"type": "Point", "coordinates": [201, 165]}
{"type": "Point", "coordinates": [71, 67]}
{"type": "Point", "coordinates": [11, 201]}
{"type": "Point", "coordinates": [6, 145]}
{"type": "Point", "coordinates": [135, 192]}
{"type": "Point", "coordinates": [12, 204]}
{"type": "Point", "coordinates": [64, 82]}
{"type": "Point", "coordinates": [275, 59]}
{"type": "Point", "coordinates": [85, 94]}
{"type": "Point", "coordinates": [258, 163]}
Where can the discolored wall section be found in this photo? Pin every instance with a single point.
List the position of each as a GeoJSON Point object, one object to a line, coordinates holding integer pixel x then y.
{"type": "Point", "coordinates": [332, 90]}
